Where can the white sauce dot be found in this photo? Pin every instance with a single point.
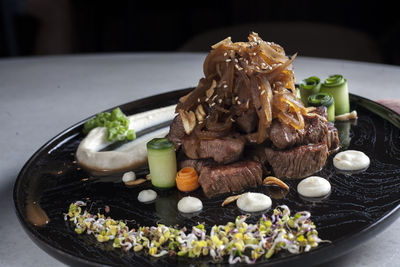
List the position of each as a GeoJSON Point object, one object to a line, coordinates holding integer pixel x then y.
{"type": "Point", "coordinates": [314, 186]}
{"type": "Point", "coordinates": [128, 177]}
{"type": "Point", "coordinates": [190, 204]}
{"type": "Point", "coordinates": [147, 195]}
{"type": "Point", "coordinates": [351, 160]}
{"type": "Point", "coordinates": [253, 202]}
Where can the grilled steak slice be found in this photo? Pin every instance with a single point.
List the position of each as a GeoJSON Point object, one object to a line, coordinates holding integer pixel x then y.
{"type": "Point", "coordinates": [248, 121]}
{"type": "Point", "coordinates": [223, 150]}
{"type": "Point", "coordinates": [283, 136]}
{"type": "Point", "coordinates": [332, 138]}
{"type": "Point", "coordinates": [221, 179]}
{"type": "Point", "coordinates": [297, 162]}
{"type": "Point", "coordinates": [176, 132]}
{"type": "Point", "coordinates": [315, 130]}
{"type": "Point", "coordinates": [322, 111]}
{"type": "Point", "coordinates": [197, 164]}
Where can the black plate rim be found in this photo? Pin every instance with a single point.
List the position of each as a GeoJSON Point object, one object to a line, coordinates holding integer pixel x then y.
{"type": "Point", "coordinates": [336, 249]}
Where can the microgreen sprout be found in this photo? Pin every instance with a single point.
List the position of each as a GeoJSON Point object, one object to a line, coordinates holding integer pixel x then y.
{"type": "Point", "coordinates": [236, 241]}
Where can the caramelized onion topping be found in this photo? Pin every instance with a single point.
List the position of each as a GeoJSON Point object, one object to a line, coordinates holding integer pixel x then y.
{"type": "Point", "coordinates": [241, 76]}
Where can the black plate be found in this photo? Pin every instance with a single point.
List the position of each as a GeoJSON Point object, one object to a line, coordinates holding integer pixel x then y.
{"type": "Point", "coordinates": [359, 206]}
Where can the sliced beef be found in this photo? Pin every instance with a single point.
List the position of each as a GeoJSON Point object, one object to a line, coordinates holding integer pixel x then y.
{"type": "Point", "coordinates": [297, 162]}
{"type": "Point", "coordinates": [222, 179]}
{"type": "Point", "coordinates": [322, 111]}
{"type": "Point", "coordinates": [223, 150]}
{"type": "Point", "coordinates": [283, 135]}
{"type": "Point", "coordinates": [315, 131]}
{"type": "Point", "coordinates": [247, 121]}
{"type": "Point", "coordinates": [176, 132]}
{"type": "Point", "coordinates": [197, 164]}
{"type": "Point", "coordinates": [332, 138]}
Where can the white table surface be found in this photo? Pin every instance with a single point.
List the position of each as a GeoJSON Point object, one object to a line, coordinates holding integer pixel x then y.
{"type": "Point", "coordinates": [41, 96]}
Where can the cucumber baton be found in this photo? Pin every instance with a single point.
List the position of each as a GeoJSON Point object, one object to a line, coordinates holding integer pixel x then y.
{"type": "Point", "coordinates": [309, 86]}
{"type": "Point", "coordinates": [336, 86]}
{"type": "Point", "coordinates": [162, 162]}
{"type": "Point", "coordinates": [323, 99]}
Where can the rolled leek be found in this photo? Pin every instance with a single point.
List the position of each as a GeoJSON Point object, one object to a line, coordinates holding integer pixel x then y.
{"type": "Point", "coordinates": [309, 86]}
{"type": "Point", "coordinates": [336, 86]}
{"type": "Point", "coordinates": [162, 162]}
{"type": "Point", "coordinates": [323, 99]}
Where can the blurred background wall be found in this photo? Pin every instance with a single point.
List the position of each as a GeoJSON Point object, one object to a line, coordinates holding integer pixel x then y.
{"type": "Point", "coordinates": [355, 30]}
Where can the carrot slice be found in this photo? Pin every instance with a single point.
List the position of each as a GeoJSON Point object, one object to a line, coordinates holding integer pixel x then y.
{"type": "Point", "coordinates": [187, 179]}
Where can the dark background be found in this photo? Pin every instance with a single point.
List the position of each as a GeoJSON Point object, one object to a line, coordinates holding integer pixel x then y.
{"type": "Point", "coordinates": [355, 30]}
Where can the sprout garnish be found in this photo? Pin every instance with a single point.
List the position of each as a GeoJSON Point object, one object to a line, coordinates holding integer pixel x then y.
{"type": "Point", "coordinates": [237, 241]}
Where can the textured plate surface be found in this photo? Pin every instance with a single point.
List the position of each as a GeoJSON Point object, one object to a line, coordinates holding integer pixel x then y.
{"type": "Point", "coordinates": [359, 206]}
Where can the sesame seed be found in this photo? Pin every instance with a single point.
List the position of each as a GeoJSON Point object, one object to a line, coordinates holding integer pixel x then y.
{"type": "Point", "coordinates": [259, 87]}
{"type": "Point", "coordinates": [238, 102]}
{"type": "Point", "coordinates": [262, 92]}
{"type": "Point", "coordinates": [214, 97]}
{"type": "Point", "coordinates": [226, 53]}
{"type": "Point", "coordinates": [212, 104]}
{"type": "Point", "coordinates": [198, 100]}
{"type": "Point", "coordinates": [232, 120]}
{"type": "Point", "coordinates": [207, 99]}
{"type": "Point", "coordinates": [220, 100]}
{"type": "Point", "coordinates": [236, 98]}
{"type": "Point", "coordinates": [225, 86]}
{"type": "Point", "coordinates": [236, 60]}
{"type": "Point", "coordinates": [228, 60]}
